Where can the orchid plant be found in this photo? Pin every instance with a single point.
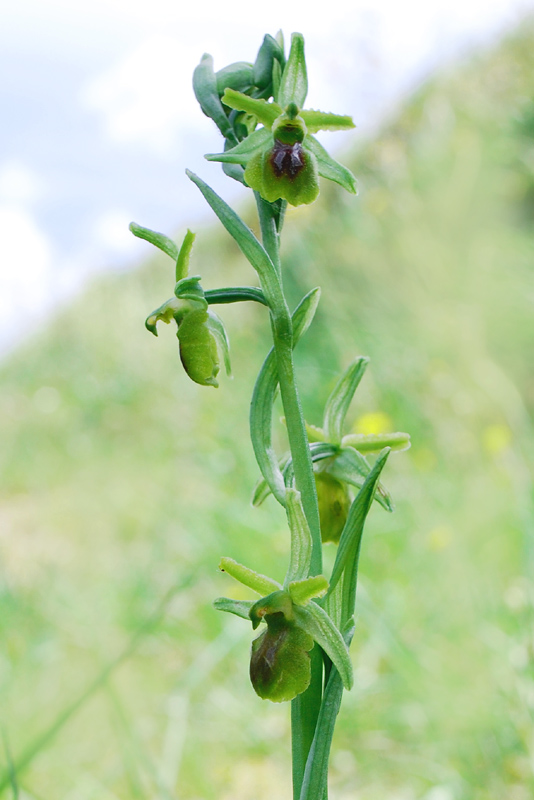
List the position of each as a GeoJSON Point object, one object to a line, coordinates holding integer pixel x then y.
{"type": "Point", "coordinates": [324, 482]}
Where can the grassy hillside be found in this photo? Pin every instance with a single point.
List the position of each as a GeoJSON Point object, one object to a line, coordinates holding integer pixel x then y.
{"type": "Point", "coordinates": [122, 483]}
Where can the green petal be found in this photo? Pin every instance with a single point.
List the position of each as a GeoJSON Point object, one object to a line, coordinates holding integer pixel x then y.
{"type": "Point", "coordinates": [323, 121]}
{"type": "Point", "coordinates": [301, 592]}
{"type": "Point", "coordinates": [243, 152]}
{"type": "Point", "coordinates": [248, 577]}
{"type": "Point", "coordinates": [330, 168]}
{"type": "Point", "coordinates": [265, 112]}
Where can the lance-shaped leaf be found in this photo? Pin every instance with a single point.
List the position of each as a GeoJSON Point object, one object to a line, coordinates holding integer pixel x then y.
{"type": "Point", "coordinates": [316, 622]}
{"type": "Point", "coordinates": [331, 169]}
{"type": "Point", "coordinates": [352, 467]}
{"type": "Point", "coordinates": [240, 608]}
{"type": "Point", "coordinates": [294, 83]}
{"type": "Point", "coordinates": [301, 540]}
{"type": "Point", "coordinates": [265, 112]}
{"type": "Point", "coordinates": [349, 544]}
{"type": "Point", "coordinates": [248, 577]}
{"type": "Point", "coordinates": [374, 442]}
{"type": "Point", "coordinates": [261, 407]}
{"type": "Point", "coordinates": [157, 239]}
{"type": "Point", "coordinates": [205, 88]}
{"type": "Point", "coordinates": [324, 121]}
{"type": "Point", "coordinates": [339, 401]}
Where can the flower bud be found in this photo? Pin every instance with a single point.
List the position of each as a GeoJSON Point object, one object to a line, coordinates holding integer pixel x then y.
{"type": "Point", "coordinates": [334, 503]}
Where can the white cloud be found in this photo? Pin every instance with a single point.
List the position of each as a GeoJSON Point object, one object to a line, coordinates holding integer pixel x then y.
{"type": "Point", "coordinates": [18, 183]}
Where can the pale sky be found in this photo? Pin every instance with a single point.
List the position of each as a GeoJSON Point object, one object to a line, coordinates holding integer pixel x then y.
{"type": "Point", "coordinates": [100, 121]}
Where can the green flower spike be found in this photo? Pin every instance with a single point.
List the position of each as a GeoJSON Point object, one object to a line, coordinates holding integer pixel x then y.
{"type": "Point", "coordinates": [280, 663]}
{"type": "Point", "coordinates": [282, 159]}
{"type": "Point", "coordinates": [201, 333]}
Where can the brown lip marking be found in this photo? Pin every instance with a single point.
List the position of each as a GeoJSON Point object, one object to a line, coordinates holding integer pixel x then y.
{"type": "Point", "coordinates": [287, 159]}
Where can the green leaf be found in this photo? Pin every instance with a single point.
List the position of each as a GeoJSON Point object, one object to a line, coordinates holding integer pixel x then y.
{"type": "Point", "coordinates": [351, 467]}
{"type": "Point", "coordinates": [316, 771]}
{"type": "Point", "coordinates": [157, 239]}
{"type": "Point", "coordinates": [329, 168]}
{"type": "Point", "coordinates": [248, 577]}
{"type": "Point", "coordinates": [242, 152]}
{"type": "Point", "coordinates": [301, 540]}
{"type": "Point", "coordinates": [247, 242]}
{"type": "Point", "coordinates": [265, 112]}
{"type": "Point", "coordinates": [238, 607]}
{"type": "Point", "coordinates": [350, 541]}
{"type": "Point", "coordinates": [182, 260]}
{"type": "Point", "coordinates": [302, 591]}
{"type": "Point", "coordinates": [316, 622]}
{"type": "Point", "coordinates": [374, 442]}
{"type": "Point", "coordinates": [205, 88]}
{"type": "Point", "coordinates": [340, 399]}
{"type": "Point", "coordinates": [261, 407]}
{"type": "Point", "coordinates": [323, 121]}
{"type": "Point", "coordinates": [294, 83]}
{"type": "Point", "coordinates": [239, 75]}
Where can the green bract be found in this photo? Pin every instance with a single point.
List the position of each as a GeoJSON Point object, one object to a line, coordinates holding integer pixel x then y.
{"type": "Point", "coordinates": [283, 160]}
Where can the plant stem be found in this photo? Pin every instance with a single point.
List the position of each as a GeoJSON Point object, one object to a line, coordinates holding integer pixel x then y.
{"type": "Point", "coordinates": [305, 707]}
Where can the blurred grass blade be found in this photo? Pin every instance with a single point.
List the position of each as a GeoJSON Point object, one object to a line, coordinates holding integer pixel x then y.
{"type": "Point", "coordinates": [340, 399]}
{"type": "Point", "coordinates": [352, 532]}
{"type": "Point", "coordinates": [157, 239]}
{"type": "Point", "coordinates": [263, 397]}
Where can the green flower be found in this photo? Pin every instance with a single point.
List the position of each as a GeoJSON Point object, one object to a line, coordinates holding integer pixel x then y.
{"type": "Point", "coordinates": [280, 662]}
{"type": "Point", "coordinates": [282, 159]}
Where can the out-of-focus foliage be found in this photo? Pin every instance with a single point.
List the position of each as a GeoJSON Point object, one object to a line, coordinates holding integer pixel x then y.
{"type": "Point", "coordinates": [121, 479]}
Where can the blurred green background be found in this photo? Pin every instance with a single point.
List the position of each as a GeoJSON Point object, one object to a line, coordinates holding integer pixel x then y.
{"type": "Point", "coordinates": [122, 484]}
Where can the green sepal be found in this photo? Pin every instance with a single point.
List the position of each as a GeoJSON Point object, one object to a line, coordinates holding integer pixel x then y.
{"type": "Point", "coordinates": [374, 442]}
{"type": "Point", "coordinates": [352, 467]}
{"type": "Point", "coordinates": [205, 88]}
{"type": "Point", "coordinates": [239, 76]}
{"type": "Point", "coordinates": [165, 313]}
{"type": "Point", "coordinates": [269, 53]}
{"type": "Point", "coordinates": [242, 152]}
{"type": "Point", "coordinates": [265, 112]}
{"type": "Point", "coordinates": [198, 348]}
{"type": "Point", "coordinates": [301, 539]}
{"type": "Point", "coordinates": [240, 608]}
{"type": "Point", "coordinates": [323, 121]}
{"type": "Point", "coordinates": [248, 577]}
{"type": "Point", "coordinates": [315, 621]}
{"type": "Point", "coordinates": [218, 330]}
{"type": "Point", "coordinates": [331, 169]}
{"type": "Point", "coordinates": [279, 664]}
{"type": "Point", "coordinates": [302, 591]}
{"type": "Point", "coordinates": [294, 83]}
{"type": "Point", "coordinates": [340, 399]}
{"type": "Point", "coordinates": [157, 239]}
{"type": "Point", "coordinates": [315, 434]}
{"type": "Point", "coordinates": [182, 259]}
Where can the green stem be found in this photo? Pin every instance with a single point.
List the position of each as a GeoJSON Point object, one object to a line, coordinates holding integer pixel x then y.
{"type": "Point", "coordinates": [305, 708]}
